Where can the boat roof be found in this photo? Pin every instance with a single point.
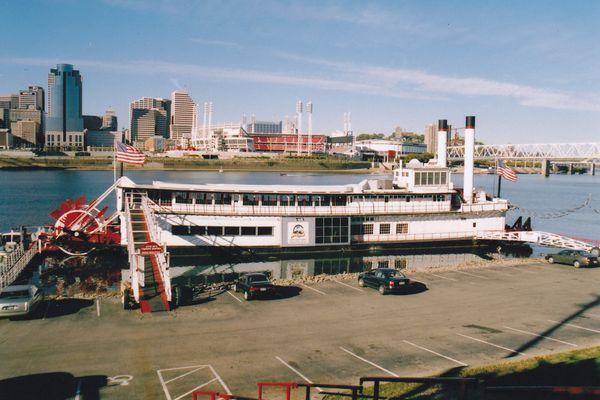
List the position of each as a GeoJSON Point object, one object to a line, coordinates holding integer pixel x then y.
{"type": "Point", "coordinates": [366, 186]}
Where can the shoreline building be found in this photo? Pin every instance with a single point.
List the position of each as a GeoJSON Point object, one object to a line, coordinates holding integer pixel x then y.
{"type": "Point", "coordinates": [182, 115]}
{"type": "Point", "coordinates": [64, 125]}
{"type": "Point", "coordinates": [109, 120]}
{"type": "Point", "coordinates": [149, 117]}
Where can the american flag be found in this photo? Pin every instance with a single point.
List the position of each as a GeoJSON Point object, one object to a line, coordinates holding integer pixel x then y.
{"type": "Point", "coordinates": [129, 154]}
{"type": "Point", "coordinates": [506, 172]}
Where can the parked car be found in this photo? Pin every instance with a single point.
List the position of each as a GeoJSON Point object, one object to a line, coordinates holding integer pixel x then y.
{"type": "Point", "coordinates": [576, 258]}
{"type": "Point", "coordinates": [19, 300]}
{"type": "Point", "coordinates": [386, 280]}
{"type": "Point", "coordinates": [254, 285]}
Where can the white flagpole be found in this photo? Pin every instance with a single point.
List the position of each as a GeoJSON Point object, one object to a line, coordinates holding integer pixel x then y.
{"type": "Point", "coordinates": [115, 161]}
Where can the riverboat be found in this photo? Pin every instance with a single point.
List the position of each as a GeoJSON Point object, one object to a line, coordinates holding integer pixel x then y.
{"type": "Point", "coordinates": [418, 204]}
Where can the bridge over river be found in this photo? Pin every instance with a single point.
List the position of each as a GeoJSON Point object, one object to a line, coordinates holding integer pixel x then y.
{"type": "Point", "coordinates": [548, 154]}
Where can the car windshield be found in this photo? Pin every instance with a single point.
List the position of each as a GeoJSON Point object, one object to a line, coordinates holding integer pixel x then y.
{"type": "Point", "coordinates": [258, 278]}
{"type": "Point", "coordinates": [14, 294]}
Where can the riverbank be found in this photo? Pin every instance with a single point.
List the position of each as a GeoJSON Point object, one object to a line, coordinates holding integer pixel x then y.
{"type": "Point", "coordinates": [177, 164]}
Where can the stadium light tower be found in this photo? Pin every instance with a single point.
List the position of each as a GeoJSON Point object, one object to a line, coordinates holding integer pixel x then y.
{"type": "Point", "coordinates": [309, 111]}
{"type": "Point", "coordinates": [298, 123]}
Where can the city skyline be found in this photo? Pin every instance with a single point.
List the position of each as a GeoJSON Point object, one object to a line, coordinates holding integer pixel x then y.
{"type": "Point", "coordinates": [381, 61]}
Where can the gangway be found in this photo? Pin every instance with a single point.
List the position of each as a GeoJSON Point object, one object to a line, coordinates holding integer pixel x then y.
{"type": "Point", "coordinates": [16, 261]}
{"type": "Point", "coordinates": [149, 270]}
{"type": "Point", "coordinates": [538, 237]}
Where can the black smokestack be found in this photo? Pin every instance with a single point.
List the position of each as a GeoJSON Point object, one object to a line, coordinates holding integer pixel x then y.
{"type": "Point", "coordinates": [443, 125]}
{"type": "Point", "coordinates": [470, 124]}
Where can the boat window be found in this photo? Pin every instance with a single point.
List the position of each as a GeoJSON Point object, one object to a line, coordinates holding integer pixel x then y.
{"type": "Point", "coordinates": [197, 230]}
{"type": "Point", "coordinates": [268, 200]}
{"type": "Point", "coordinates": [180, 230]}
{"type": "Point", "coordinates": [383, 264]}
{"type": "Point", "coordinates": [183, 198]}
{"type": "Point", "coordinates": [384, 229]}
{"type": "Point", "coordinates": [265, 231]}
{"type": "Point", "coordinates": [232, 230]}
{"type": "Point", "coordinates": [304, 200]}
{"type": "Point", "coordinates": [222, 198]}
{"type": "Point", "coordinates": [250, 199]}
{"type": "Point", "coordinates": [367, 229]}
{"type": "Point", "coordinates": [248, 231]}
{"type": "Point", "coordinates": [401, 228]}
{"type": "Point", "coordinates": [331, 230]}
{"type": "Point", "coordinates": [202, 198]}
{"type": "Point", "coordinates": [215, 230]}
{"type": "Point", "coordinates": [400, 263]}
{"type": "Point", "coordinates": [339, 200]}
{"type": "Point", "coordinates": [287, 200]}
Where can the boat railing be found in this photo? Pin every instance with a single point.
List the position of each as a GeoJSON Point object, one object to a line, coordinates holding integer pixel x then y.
{"type": "Point", "coordinates": [400, 237]}
{"type": "Point", "coordinates": [359, 209]}
{"type": "Point", "coordinates": [162, 258]}
{"type": "Point", "coordinates": [16, 261]}
{"type": "Point", "coordinates": [136, 266]}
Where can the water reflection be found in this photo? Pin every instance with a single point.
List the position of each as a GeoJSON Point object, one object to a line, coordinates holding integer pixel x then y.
{"type": "Point", "coordinates": [188, 271]}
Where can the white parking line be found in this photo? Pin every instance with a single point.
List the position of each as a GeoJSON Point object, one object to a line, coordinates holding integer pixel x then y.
{"type": "Point", "coordinates": [542, 336]}
{"type": "Point", "coordinates": [195, 368]}
{"type": "Point", "coordinates": [370, 362]}
{"type": "Point", "coordinates": [220, 379]}
{"type": "Point", "coordinates": [296, 372]}
{"type": "Point", "coordinates": [575, 326]}
{"type": "Point", "coordinates": [98, 307]}
{"type": "Point", "coordinates": [475, 275]}
{"type": "Point", "coordinates": [313, 289]}
{"type": "Point", "coordinates": [491, 344]}
{"type": "Point", "coordinates": [196, 388]}
{"type": "Point", "coordinates": [444, 277]}
{"type": "Point", "coordinates": [437, 354]}
{"type": "Point", "coordinates": [498, 272]}
{"type": "Point", "coordinates": [350, 286]}
{"type": "Point", "coordinates": [232, 295]}
{"type": "Point", "coordinates": [186, 374]}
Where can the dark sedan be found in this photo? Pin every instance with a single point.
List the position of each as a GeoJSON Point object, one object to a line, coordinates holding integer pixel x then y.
{"type": "Point", "coordinates": [254, 285]}
{"type": "Point", "coordinates": [386, 280]}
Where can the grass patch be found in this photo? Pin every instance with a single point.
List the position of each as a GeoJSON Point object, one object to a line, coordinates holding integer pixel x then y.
{"type": "Point", "coordinates": [572, 368]}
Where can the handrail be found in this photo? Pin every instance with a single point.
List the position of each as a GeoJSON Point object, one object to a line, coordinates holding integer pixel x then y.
{"type": "Point", "coordinates": [16, 262]}
{"type": "Point", "coordinates": [462, 384]}
{"type": "Point", "coordinates": [134, 264]}
{"type": "Point", "coordinates": [163, 260]}
{"type": "Point", "coordinates": [353, 209]}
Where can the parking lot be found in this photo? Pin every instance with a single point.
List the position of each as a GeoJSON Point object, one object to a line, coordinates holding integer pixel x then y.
{"type": "Point", "coordinates": [333, 331]}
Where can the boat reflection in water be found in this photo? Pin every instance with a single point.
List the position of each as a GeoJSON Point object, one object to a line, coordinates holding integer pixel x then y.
{"type": "Point", "coordinates": [188, 271]}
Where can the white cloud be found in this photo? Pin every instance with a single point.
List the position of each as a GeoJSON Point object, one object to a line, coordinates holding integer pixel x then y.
{"type": "Point", "coordinates": [218, 43]}
{"type": "Point", "coordinates": [416, 80]}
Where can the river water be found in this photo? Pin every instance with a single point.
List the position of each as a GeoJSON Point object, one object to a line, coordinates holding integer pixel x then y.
{"type": "Point", "coordinates": [26, 198]}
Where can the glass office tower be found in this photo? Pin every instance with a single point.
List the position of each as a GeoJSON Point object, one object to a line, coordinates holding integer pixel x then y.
{"type": "Point", "coordinates": [64, 100]}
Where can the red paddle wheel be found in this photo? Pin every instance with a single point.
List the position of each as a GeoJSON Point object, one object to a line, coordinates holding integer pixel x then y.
{"type": "Point", "coordinates": [81, 227]}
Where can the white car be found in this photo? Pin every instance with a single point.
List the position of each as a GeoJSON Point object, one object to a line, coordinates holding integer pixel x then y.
{"type": "Point", "coordinates": [19, 300]}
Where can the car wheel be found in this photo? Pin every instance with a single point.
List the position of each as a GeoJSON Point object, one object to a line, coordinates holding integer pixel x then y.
{"type": "Point", "coordinates": [382, 289]}
{"type": "Point", "coordinates": [361, 283]}
{"type": "Point", "coordinates": [247, 295]}
{"type": "Point", "coordinates": [576, 264]}
{"type": "Point", "coordinates": [551, 260]}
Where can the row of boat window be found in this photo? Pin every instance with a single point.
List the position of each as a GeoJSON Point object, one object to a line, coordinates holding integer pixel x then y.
{"type": "Point", "coordinates": [285, 200]}
{"type": "Point", "coordinates": [384, 229]}
{"type": "Point", "coordinates": [191, 230]}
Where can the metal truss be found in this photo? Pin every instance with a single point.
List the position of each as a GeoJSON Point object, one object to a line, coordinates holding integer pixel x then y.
{"type": "Point", "coordinates": [539, 151]}
{"type": "Point", "coordinates": [538, 237]}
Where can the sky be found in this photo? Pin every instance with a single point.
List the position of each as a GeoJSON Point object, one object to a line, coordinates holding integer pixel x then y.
{"type": "Point", "coordinates": [528, 70]}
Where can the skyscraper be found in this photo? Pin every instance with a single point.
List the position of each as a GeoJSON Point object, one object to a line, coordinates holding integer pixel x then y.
{"type": "Point", "coordinates": [64, 105]}
{"type": "Point", "coordinates": [182, 115]}
{"type": "Point", "coordinates": [155, 114]}
{"type": "Point", "coordinates": [32, 97]}
{"type": "Point", "coordinates": [431, 138]}
{"type": "Point", "coordinates": [109, 120]}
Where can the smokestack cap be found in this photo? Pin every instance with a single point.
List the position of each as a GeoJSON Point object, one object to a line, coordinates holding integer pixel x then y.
{"type": "Point", "coordinates": [443, 125]}
{"type": "Point", "coordinates": [470, 124]}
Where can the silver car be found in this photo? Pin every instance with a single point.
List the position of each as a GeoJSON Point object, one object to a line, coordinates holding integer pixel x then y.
{"type": "Point", "coordinates": [19, 300]}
